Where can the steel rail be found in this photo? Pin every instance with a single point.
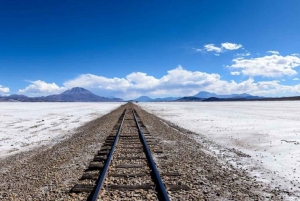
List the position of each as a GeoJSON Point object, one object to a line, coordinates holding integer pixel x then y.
{"type": "Point", "coordinates": [109, 158]}
{"type": "Point", "coordinates": [163, 195]}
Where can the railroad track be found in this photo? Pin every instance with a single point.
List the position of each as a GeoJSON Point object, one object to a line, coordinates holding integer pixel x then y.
{"type": "Point", "coordinates": [124, 169]}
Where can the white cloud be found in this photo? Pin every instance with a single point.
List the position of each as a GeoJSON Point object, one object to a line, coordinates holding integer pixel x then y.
{"type": "Point", "coordinates": [176, 82]}
{"type": "Point", "coordinates": [267, 66]}
{"type": "Point", "coordinates": [95, 81]}
{"type": "Point", "coordinates": [231, 46]}
{"type": "Point", "coordinates": [212, 48]}
{"type": "Point", "coordinates": [3, 89]}
{"type": "Point", "coordinates": [140, 80]}
{"type": "Point", "coordinates": [39, 88]}
{"type": "Point", "coordinates": [235, 73]}
{"type": "Point", "coordinates": [273, 52]}
{"type": "Point", "coordinates": [224, 46]}
{"type": "Point", "coordinates": [241, 55]}
{"type": "Point", "coordinates": [197, 49]}
{"type": "Point", "coordinates": [296, 79]}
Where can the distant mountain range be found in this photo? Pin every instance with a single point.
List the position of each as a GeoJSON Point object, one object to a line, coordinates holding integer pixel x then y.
{"type": "Point", "coordinates": [207, 96]}
{"type": "Point", "coordinates": [201, 96]}
{"type": "Point", "coordinates": [76, 94]}
{"type": "Point", "coordinates": [79, 94]}
{"type": "Point", "coordinates": [148, 99]}
{"type": "Point", "coordinates": [204, 94]}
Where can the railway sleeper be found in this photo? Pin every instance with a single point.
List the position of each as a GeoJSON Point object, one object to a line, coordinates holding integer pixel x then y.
{"type": "Point", "coordinates": [95, 166]}
{"type": "Point", "coordinates": [130, 147]}
{"type": "Point", "coordinates": [130, 140]}
{"type": "Point", "coordinates": [99, 159]}
{"type": "Point", "coordinates": [133, 151]}
{"type": "Point", "coordinates": [173, 187]}
{"type": "Point", "coordinates": [105, 149]}
{"type": "Point", "coordinates": [110, 139]}
{"type": "Point", "coordinates": [131, 187]}
{"type": "Point", "coordinates": [130, 158]}
{"type": "Point", "coordinates": [82, 188]}
{"type": "Point", "coordinates": [108, 144]}
{"type": "Point", "coordinates": [91, 176]}
{"type": "Point", "coordinates": [173, 174]}
{"type": "Point", "coordinates": [128, 136]}
{"type": "Point", "coordinates": [101, 153]}
{"type": "Point", "coordinates": [130, 166]}
{"type": "Point", "coordinates": [128, 175]}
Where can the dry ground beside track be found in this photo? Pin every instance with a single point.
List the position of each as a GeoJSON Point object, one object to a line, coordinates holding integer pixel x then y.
{"type": "Point", "coordinates": [48, 173]}
{"type": "Point", "coordinates": [208, 176]}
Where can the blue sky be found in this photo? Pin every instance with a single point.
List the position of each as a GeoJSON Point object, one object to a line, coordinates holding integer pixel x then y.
{"type": "Point", "coordinates": [155, 48]}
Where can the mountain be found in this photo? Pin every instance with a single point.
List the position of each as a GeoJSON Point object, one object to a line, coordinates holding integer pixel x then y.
{"type": "Point", "coordinates": [207, 96]}
{"type": "Point", "coordinates": [204, 95]}
{"type": "Point", "coordinates": [212, 99]}
{"type": "Point", "coordinates": [189, 98]}
{"type": "Point", "coordinates": [148, 99]}
{"type": "Point", "coordinates": [166, 99]}
{"type": "Point", "coordinates": [76, 94]}
{"type": "Point", "coordinates": [143, 99]}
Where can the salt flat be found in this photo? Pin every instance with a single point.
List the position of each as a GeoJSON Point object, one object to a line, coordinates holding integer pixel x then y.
{"type": "Point", "coordinates": [267, 131]}
{"type": "Point", "coordinates": [24, 126]}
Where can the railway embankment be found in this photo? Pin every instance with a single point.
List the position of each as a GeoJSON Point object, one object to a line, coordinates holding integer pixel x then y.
{"type": "Point", "coordinates": [49, 173]}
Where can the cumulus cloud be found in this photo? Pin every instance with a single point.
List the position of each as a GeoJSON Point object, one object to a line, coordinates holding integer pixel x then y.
{"type": "Point", "coordinates": [212, 48]}
{"type": "Point", "coordinates": [273, 52]}
{"type": "Point", "coordinates": [95, 81]}
{"type": "Point", "coordinates": [217, 50]}
{"type": "Point", "coordinates": [245, 54]}
{"type": "Point", "coordinates": [235, 73]}
{"type": "Point", "coordinates": [176, 82]}
{"type": "Point", "coordinates": [3, 89]}
{"type": "Point", "coordinates": [296, 79]}
{"type": "Point", "coordinates": [231, 46]}
{"type": "Point", "coordinates": [40, 87]}
{"type": "Point", "coordinates": [267, 66]}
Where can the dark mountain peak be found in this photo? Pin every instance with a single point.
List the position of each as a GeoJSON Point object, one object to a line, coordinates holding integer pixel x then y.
{"type": "Point", "coordinates": [205, 94]}
{"type": "Point", "coordinates": [17, 96]}
{"type": "Point", "coordinates": [143, 99]}
{"type": "Point", "coordinates": [189, 98]}
{"type": "Point", "coordinates": [77, 90]}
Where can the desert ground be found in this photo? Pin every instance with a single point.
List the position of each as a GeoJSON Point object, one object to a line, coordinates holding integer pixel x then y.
{"type": "Point", "coordinates": [24, 126]}
{"type": "Point", "coordinates": [267, 132]}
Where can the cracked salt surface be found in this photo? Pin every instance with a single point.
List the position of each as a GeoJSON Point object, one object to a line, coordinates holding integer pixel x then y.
{"type": "Point", "coordinates": [24, 126]}
{"type": "Point", "coordinates": [266, 131]}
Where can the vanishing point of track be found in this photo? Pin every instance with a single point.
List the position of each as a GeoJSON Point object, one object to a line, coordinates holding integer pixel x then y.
{"type": "Point", "coordinates": [124, 168]}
